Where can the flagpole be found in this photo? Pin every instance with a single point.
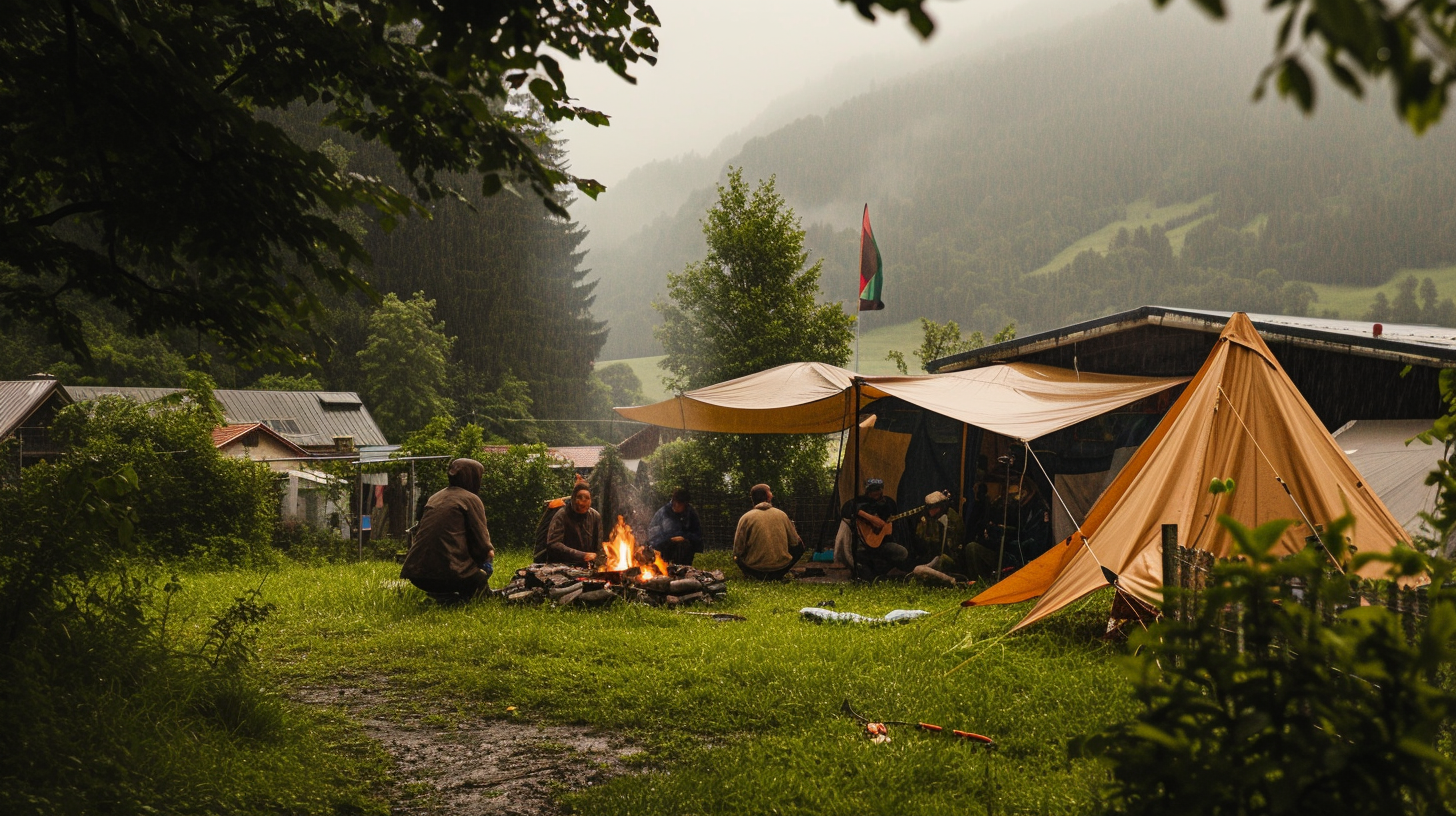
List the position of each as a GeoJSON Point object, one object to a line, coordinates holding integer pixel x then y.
{"type": "Point", "coordinates": [857, 320]}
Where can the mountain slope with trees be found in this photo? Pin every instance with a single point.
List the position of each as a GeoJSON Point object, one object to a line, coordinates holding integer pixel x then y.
{"type": "Point", "coordinates": [983, 171]}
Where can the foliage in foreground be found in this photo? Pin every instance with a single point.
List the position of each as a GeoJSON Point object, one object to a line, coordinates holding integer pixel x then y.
{"type": "Point", "coordinates": [1318, 705]}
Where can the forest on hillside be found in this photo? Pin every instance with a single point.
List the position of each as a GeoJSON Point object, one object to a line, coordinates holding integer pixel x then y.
{"type": "Point", "coordinates": [982, 172]}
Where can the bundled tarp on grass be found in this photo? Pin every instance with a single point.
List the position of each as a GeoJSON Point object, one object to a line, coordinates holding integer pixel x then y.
{"type": "Point", "coordinates": [1241, 418]}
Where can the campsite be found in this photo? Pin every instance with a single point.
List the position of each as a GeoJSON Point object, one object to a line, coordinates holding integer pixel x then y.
{"type": "Point", "coordinates": [796, 407]}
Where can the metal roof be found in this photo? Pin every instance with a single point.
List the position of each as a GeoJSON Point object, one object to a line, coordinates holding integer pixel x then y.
{"type": "Point", "coordinates": [20, 398]}
{"type": "Point", "coordinates": [319, 416]}
{"type": "Point", "coordinates": [86, 393]}
{"type": "Point", "coordinates": [1420, 345]}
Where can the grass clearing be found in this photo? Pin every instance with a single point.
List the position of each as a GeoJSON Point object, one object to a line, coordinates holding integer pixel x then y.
{"type": "Point", "coordinates": [647, 371]}
{"type": "Point", "coordinates": [874, 343]}
{"type": "Point", "coordinates": [1352, 302]}
{"type": "Point", "coordinates": [1140, 213]}
{"type": "Point", "coordinates": [737, 717]}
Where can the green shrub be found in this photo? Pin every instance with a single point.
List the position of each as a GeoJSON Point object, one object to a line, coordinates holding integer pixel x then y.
{"type": "Point", "coordinates": [191, 501]}
{"type": "Point", "coordinates": [1323, 706]}
{"type": "Point", "coordinates": [515, 487]}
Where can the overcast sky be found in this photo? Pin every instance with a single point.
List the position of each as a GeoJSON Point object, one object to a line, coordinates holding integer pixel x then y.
{"type": "Point", "coordinates": [722, 62]}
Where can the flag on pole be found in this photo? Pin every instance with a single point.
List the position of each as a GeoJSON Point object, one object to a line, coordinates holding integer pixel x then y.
{"type": "Point", "coordinates": [871, 268]}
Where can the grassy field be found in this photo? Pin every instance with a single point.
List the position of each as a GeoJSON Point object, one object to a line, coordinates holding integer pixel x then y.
{"type": "Point", "coordinates": [1140, 213]}
{"type": "Point", "coordinates": [647, 371]}
{"type": "Point", "coordinates": [736, 717]}
{"type": "Point", "coordinates": [874, 343]}
{"type": "Point", "coordinates": [1352, 302]}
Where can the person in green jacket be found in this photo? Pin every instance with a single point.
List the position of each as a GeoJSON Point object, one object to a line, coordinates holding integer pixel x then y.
{"type": "Point", "coordinates": [941, 534]}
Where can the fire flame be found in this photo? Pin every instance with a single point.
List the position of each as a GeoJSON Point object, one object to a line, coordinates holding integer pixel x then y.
{"type": "Point", "coordinates": [620, 553]}
{"type": "Point", "coordinates": [618, 550]}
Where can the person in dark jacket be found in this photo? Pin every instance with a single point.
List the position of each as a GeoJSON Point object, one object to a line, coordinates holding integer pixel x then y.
{"type": "Point", "coordinates": [675, 531]}
{"type": "Point", "coordinates": [450, 553]}
{"type": "Point", "coordinates": [575, 533]}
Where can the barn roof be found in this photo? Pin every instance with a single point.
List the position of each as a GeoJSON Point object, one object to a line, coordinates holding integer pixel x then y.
{"type": "Point", "coordinates": [20, 398]}
{"type": "Point", "coordinates": [310, 419]}
{"type": "Point", "coordinates": [1419, 345]}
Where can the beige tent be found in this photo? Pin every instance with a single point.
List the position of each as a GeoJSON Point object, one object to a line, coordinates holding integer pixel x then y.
{"type": "Point", "coordinates": [1239, 418]}
{"type": "Point", "coordinates": [1018, 400]}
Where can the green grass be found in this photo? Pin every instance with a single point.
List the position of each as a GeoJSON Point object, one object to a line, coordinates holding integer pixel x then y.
{"type": "Point", "coordinates": [736, 718]}
{"type": "Point", "coordinates": [647, 371]}
{"type": "Point", "coordinates": [875, 341]}
{"type": "Point", "coordinates": [1140, 213]}
{"type": "Point", "coordinates": [1352, 302]}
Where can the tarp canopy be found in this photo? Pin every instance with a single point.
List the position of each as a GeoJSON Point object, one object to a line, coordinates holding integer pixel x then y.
{"type": "Point", "coordinates": [1018, 400]}
{"type": "Point", "coordinates": [1239, 418]}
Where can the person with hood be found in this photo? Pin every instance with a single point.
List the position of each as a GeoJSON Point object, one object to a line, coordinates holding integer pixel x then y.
{"type": "Point", "coordinates": [675, 531]}
{"type": "Point", "coordinates": [575, 533]}
{"type": "Point", "coordinates": [450, 553]}
{"type": "Point", "coordinates": [766, 544]}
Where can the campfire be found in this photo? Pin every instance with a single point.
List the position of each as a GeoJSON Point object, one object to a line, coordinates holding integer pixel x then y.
{"type": "Point", "coordinates": [624, 571]}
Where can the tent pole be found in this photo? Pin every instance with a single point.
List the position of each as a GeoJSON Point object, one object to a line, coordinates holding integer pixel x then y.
{"type": "Point", "coordinates": [1005, 508]}
{"type": "Point", "coordinates": [854, 488]}
{"type": "Point", "coordinates": [961, 499]}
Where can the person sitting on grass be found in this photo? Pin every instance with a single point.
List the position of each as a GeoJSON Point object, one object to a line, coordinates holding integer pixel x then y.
{"type": "Point", "coordinates": [575, 533]}
{"type": "Point", "coordinates": [766, 545]}
{"type": "Point", "coordinates": [675, 531]}
{"type": "Point", "coordinates": [450, 554]}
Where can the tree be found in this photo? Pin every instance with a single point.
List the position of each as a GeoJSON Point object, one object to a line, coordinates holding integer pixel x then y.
{"type": "Point", "coordinates": [1405, 308]}
{"type": "Point", "coordinates": [750, 305]}
{"type": "Point", "coordinates": [622, 381]}
{"type": "Point", "coordinates": [286, 382]}
{"type": "Point", "coordinates": [1413, 44]}
{"type": "Point", "coordinates": [943, 340]}
{"type": "Point", "coordinates": [405, 365]}
{"type": "Point", "coordinates": [140, 166]}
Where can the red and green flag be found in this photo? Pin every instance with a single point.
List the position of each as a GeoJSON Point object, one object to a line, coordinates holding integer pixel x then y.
{"type": "Point", "coordinates": [871, 268]}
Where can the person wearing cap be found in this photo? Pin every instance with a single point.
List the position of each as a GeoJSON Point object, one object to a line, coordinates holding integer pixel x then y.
{"type": "Point", "coordinates": [874, 508]}
{"type": "Point", "coordinates": [450, 553]}
{"type": "Point", "coordinates": [575, 532]}
{"type": "Point", "coordinates": [940, 534]}
{"type": "Point", "coordinates": [766, 544]}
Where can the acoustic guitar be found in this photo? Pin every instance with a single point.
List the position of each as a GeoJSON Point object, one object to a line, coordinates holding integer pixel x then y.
{"type": "Point", "coordinates": [867, 532]}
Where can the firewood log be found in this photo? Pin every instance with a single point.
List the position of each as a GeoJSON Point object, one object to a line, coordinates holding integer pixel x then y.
{"type": "Point", "coordinates": [658, 584]}
{"type": "Point", "coordinates": [685, 586]}
{"type": "Point", "coordinates": [598, 597]}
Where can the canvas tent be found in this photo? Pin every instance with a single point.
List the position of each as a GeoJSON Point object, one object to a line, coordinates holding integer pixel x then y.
{"type": "Point", "coordinates": [930, 432]}
{"type": "Point", "coordinates": [1019, 400]}
{"type": "Point", "coordinates": [1240, 417]}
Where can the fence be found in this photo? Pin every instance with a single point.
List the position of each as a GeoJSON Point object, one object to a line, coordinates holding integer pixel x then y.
{"type": "Point", "coordinates": [1190, 571]}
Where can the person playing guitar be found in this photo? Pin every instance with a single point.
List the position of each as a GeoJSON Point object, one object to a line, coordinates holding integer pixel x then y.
{"type": "Point", "coordinates": [870, 514]}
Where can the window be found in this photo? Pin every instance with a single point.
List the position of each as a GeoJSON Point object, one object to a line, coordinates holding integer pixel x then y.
{"type": "Point", "coordinates": [283, 426]}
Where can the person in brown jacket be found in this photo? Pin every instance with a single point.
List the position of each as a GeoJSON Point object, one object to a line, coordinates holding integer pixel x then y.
{"type": "Point", "coordinates": [451, 543]}
{"type": "Point", "coordinates": [766, 544]}
{"type": "Point", "coordinates": [575, 533]}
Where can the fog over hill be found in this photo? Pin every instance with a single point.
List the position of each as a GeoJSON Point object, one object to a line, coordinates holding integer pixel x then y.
{"type": "Point", "coordinates": [983, 170]}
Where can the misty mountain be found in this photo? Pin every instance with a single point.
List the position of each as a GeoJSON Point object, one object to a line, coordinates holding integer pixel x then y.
{"type": "Point", "coordinates": [983, 171]}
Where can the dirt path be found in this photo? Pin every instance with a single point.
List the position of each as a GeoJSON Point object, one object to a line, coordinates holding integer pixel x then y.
{"type": "Point", "coordinates": [471, 766]}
